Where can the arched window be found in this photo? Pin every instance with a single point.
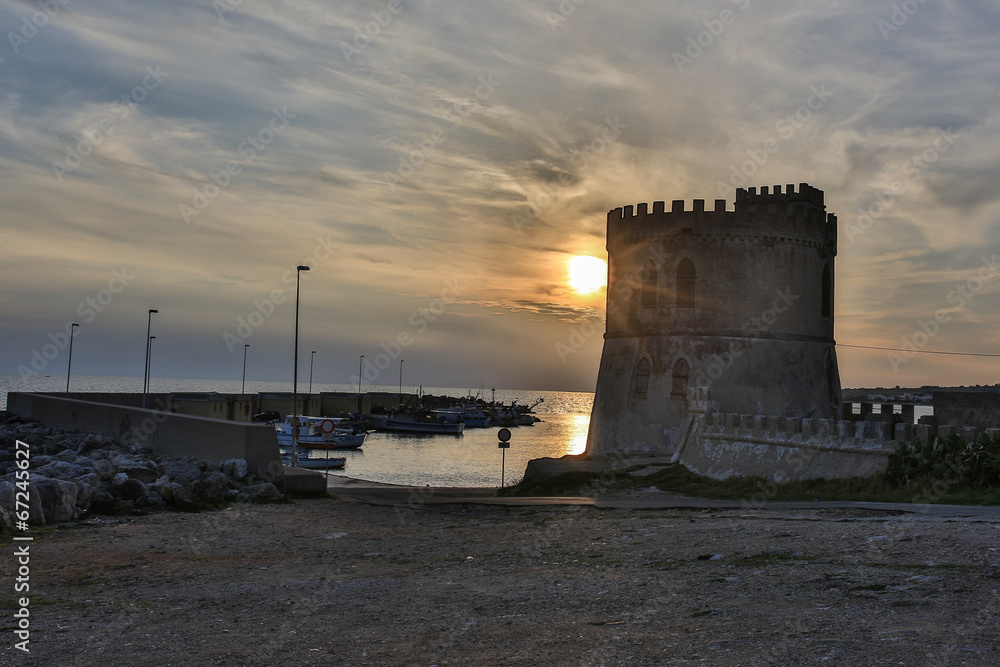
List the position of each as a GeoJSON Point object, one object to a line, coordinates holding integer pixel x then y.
{"type": "Point", "coordinates": [649, 276]}
{"type": "Point", "coordinates": [685, 284]}
{"type": "Point", "coordinates": [640, 383]}
{"type": "Point", "coordinates": [680, 379]}
{"type": "Point", "coordinates": [826, 307]}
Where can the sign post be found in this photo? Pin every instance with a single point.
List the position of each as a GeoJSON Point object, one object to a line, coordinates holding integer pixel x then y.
{"type": "Point", "coordinates": [503, 435]}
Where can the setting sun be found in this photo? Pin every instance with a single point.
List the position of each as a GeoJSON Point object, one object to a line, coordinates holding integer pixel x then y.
{"type": "Point", "coordinates": [587, 274]}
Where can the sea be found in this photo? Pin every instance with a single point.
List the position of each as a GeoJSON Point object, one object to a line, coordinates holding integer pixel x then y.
{"type": "Point", "coordinates": [472, 459]}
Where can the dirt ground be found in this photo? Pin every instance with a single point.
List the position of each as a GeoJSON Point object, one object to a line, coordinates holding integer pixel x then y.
{"type": "Point", "coordinates": [335, 581]}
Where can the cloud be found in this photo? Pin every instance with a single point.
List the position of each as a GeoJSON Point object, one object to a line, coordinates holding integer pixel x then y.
{"type": "Point", "coordinates": [470, 141]}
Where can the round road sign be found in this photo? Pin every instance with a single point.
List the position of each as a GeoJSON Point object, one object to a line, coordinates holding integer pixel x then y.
{"type": "Point", "coordinates": [503, 434]}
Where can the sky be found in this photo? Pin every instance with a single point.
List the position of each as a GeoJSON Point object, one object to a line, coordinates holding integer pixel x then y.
{"type": "Point", "coordinates": [437, 163]}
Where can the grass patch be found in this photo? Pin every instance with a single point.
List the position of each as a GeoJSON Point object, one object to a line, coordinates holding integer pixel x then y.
{"type": "Point", "coordinates": [675, 478]}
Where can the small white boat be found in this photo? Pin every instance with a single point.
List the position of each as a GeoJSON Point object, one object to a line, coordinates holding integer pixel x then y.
{"type": "Point", "coordinates": [331, 463]}
{"type": "Point", "coordinates": [320, 433]}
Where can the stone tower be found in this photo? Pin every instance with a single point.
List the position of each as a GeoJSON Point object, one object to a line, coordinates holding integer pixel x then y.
{"type": "Point", "coordinates": [740, 302]}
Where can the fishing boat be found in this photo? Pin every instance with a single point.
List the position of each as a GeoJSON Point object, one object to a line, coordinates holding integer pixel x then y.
{"type": "Point", "coordinates": [321, 433]}
{"type": "Point", "coordinates": [416, 421]}
{"type": "Point", "coordinates": [516, 415]}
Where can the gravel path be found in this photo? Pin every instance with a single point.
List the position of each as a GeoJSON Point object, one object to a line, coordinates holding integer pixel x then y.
{"type": "Point", "coordinates": [335, 581]}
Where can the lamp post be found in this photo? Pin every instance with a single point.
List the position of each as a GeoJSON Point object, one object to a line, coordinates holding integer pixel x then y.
{"type": "Point", "coordinates": [145, 376]}
{"type": "Point", "coordinates": [69, 364]}
{"type": "Point", "coordinates": [361, 364]}
{"type": "Point", "coordinates": [149, 361]}
{"type": "Point", "coordinates": [243, 389]}
{"type": "Point", "coordinates": [295, 372]}
{"type": "Point", "coordinates": [312, 358]}
{"type": "Point", "coordinates": [401, 384]}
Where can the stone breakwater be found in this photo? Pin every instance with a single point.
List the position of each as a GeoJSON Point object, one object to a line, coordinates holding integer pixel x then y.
{"type": "Point", "coordinates": [71, 473]}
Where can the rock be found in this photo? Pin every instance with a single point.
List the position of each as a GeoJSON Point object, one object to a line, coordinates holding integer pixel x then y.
{"type": "Point", "coordinates": [144, 471]}
{"type": "Point", "coordinates": [181, 471]}
{"type": "Point", "coordinates": [61, 470]}
{"type": "Point", "coordinates": [7, 503]}
{"type": "Point", "coordinates": [260, 492]}
{"type": "Point", "coordinates": [57, 498]}
{"type": "Point", "coordinates": [179, 496]}
{"type": "Point", "coordinates": [86, 493]}
{"type": "Point", "coordinates": [236, 469]}
{"type": "Point", "coordinates": [211, 486]}
{"type": "Point", "coordinates": [104, 468]}
{"type": "Point", "coordinates": [129, 488]}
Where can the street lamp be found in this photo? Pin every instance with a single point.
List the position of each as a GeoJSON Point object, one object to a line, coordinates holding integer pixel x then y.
{"type": "Point", "coordinates": [69, 364]}
{"type": "Point", "coordinates": [401, 384]}
{"type": "Point", "coordinates": [149, 361]}
{"type": "Point", "coordinates": [295, 372]}
{"type": "Point", "coordinates": [243, 389]}
{"type": "Point", "coordinates": [361, 363]}
{"type": "Point", "coordinates": [312, 358]}
{"type": "Point", "coordinates": [145, 376]}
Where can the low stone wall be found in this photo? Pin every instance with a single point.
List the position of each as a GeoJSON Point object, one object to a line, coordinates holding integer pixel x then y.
{"type": "Point", "coordinates": [166, 433]}
{"type": "Point", "coordinates": [724, 445]}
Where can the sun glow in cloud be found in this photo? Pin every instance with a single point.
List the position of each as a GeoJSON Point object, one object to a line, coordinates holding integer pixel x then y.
{"type": "Point", "coordinates": [587, 274]}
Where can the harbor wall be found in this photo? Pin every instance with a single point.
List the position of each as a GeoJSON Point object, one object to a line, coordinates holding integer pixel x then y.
{"type": "Point", "coordinates": [166, 433]}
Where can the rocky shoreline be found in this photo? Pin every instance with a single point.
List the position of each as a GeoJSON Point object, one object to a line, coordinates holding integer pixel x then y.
{"type": "Point", "coordinates": [71, 473]}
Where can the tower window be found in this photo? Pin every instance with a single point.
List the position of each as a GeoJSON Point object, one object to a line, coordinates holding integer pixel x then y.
{"type": "Point", "coordinates": [679, 388]}
{"type": "Point", "coordinates": [826, 307]}
{"type": "Point", "coordinates": [640, 384]}
{"type": "Point", "coordinates": [685, 284]}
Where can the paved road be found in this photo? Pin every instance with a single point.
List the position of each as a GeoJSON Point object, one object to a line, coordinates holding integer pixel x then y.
{"type": "Point", "coordinates": [414, 496]}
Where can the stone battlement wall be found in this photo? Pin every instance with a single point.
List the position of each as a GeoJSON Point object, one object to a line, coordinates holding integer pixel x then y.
{"type": "Point", "coordinates": [791, 217]}
{"type": "Point", "coordinates": [780, 449]}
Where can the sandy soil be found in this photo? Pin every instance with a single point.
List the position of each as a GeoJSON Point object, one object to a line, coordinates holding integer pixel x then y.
{"type": "Point", "coordinates": [334, 581]}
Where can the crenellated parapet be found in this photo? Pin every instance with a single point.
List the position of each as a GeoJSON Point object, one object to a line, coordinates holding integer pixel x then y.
{"type": "Point", "coordinates": [779, 448]}
{"type": "Point", "coordinates": [770, 215]}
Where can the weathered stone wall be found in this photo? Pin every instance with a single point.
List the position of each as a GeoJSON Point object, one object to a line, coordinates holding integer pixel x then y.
{"type": "Point", "coordinates": [785, 449]}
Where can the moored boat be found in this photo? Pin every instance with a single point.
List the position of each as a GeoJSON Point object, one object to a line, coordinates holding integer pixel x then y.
{"type": "Point", "coordinates": [416, 422]}
{"type": "Point", "coordinates": [321, 433]}
{"type": "Point", "coordinates": [331, 463]}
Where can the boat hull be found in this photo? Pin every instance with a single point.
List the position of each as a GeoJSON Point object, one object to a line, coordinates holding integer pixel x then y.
{"type": "Point", "coordinates": [407, 426]}
{"type": "Point", "coordinates": [332, 463]}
